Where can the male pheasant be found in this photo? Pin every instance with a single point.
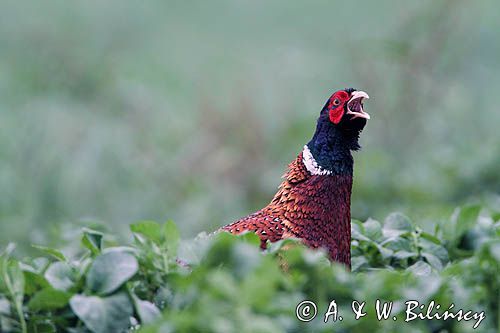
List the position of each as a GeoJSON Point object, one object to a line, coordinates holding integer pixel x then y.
{"type": "Point", "coordinates": [313, 201]}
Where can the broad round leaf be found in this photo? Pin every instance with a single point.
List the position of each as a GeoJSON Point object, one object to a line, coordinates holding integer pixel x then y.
{"type": "Point", "coordinates": [193, 251]}
{"type": "Point", "coordinates": [110, 270]}
{"type": "Point", "coordinates": [403, 254]}
{"type": "Point", "coordinates": [373, 229]}
{"type": "Point", "coordinates": [147, 311]}
{"type": "Point", "coordinates": [396, 224]}
{"type": "Point", "coordinates": [357, 262]}
{"type": "Point", "coordinates": [433, 260]}
{"type": "Point", "coordinates": [60, 276]}
{"type": "Point", "coordinates": [420, 268]}
{"type": "Point", "coordinates": [358, 230]}
{"type": "Point", "coordinates": [48, 299]}
{"type": "Point", "coordinates": [103, 314]}
{"type": "Point", "coordinates": [148, 229]}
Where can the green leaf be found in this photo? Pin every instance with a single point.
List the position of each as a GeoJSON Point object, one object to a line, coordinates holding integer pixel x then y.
{"type": "Point", "coordinates": [48, 299]}
{"type": "Point", "coordinates": [172, 237]}
{"type": "Point", "coordinates": [283, 244]}
{"type": "Point", "coordinates": [240, 253]}
{"type": "Point", "coordinates": [465, 218]}
{"type": "Point", "coordinates": [193, 251]}
{"type": "Point", "coordinates": [110, 270]}
{"type": "Point", "coordinates": [40, 264]}
{"type": "Point", "coordinates": [92, 240]}
{"type": "Point", "coordinates": [147, 311]}
{"type": "Point", "coordinates": [42, 327]}
{"type": "Point", "coordinates": [429, 237]}
{"type": "Point", "coordinates": [60, 276]}
{"type": "Point", "coordinates": [373, 229]}
{"type": "Point", "coordinates": [103, 314]}
{"type": "Point", "coordinates": [34, 282]}
{"type": "Point", "coordinates": [433, 260]}
{"type": "Point", "coordinates": [396, 224]}
{"type": "Point", "coordinates": [436, 250]}
{"type": "Point", "coordinates": [357, 231]}
{"type": "Point", "coordinates": [398, 244]}
{"type": "Point", "coordinates": [358, 262]}
{"type": "Point", "coordinates": [50, 251]}
{"type": "Point", "coordinates": [420, 268]}
{"type": "Point", "coordinates": [404, 254]}
{"type": "Point", "coordinates": [12, 279]}
{"type": "Point", "coordinates": [149, 229]}
{"type": "Point", "coordinates": [495, 216]}
{"type": "Point", "coordinates": [385, 252]}
{"type": "Point", "coordinates": [12, 283]}
{"type": "Point", "coordinates": [495, 250]}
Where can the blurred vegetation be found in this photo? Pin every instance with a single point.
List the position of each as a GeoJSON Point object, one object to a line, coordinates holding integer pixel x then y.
{"type": "Point", "coordinates": [122, 110]}
{"type": "Point", "coordinates": [224, 283]}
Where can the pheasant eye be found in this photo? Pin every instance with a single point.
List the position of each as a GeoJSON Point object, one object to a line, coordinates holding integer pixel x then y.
{"type": "Point", "coordinates": [336, 101]}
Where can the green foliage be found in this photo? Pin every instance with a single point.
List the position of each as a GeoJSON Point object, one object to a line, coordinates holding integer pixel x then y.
{"type": "Point", "coordinates": [147, 110]}
{"type": "Point", "coordinates": [103, 314]}
{"type": "Point", "coordinates": [396, 244]}
{"type": "Point", "coordinates": [92, 240]}
{"type": "Point", "coordinates": [48, 299]}
{"type": "Point", "coordinates": [111, 270]}
{"type": "Point", "coordinates": [224, 283]}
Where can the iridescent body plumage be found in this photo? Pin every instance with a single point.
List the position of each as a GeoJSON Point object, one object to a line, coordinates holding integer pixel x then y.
{"type": "Point", "coordinates": [313, 201]}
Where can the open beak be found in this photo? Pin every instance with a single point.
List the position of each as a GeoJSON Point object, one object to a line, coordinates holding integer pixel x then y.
{"type": "Point", "coordinates": [355, 105]}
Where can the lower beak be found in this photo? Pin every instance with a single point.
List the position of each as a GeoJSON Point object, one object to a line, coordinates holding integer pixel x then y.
{"type": "Point", "coordinates": [359, 113]}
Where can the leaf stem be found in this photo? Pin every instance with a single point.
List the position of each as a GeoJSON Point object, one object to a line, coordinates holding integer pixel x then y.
{"type": "Point", "coordinates": [18, 302]}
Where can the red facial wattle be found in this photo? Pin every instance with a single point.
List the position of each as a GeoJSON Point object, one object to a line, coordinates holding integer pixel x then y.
{"type": "Point", "coordinates": [336, 111]}
{"type": "Point", "coordinates": [336, 114]}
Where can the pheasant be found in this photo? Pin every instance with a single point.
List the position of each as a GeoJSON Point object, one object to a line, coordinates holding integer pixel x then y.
{"type": "Point", "coordinates": [313, 201]}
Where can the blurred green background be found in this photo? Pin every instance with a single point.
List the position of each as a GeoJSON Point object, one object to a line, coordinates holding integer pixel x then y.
{"type": "Point", "coordinates": [118, 111]}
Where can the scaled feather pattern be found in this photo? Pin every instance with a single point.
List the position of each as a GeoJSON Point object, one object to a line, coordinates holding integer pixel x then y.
{"type": "Point", "coordinates": [313, 201]}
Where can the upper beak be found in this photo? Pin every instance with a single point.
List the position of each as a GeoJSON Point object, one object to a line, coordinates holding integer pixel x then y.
{"type": "Point", "coordinates": [358, 113]}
